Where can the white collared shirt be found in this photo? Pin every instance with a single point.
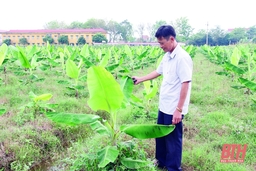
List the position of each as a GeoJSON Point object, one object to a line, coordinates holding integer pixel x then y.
{"type": "Point", "coordinates": [176, 68]}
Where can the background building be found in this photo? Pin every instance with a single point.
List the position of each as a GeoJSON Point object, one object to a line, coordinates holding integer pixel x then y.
{"type": "Point", "coordinates": [35, 37]}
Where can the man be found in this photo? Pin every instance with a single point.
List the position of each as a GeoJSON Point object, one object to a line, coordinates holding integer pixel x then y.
{"type": "Point", "coordinates": [176, 68]}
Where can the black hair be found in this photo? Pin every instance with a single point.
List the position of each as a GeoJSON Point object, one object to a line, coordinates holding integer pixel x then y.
{"type": "Point", "coordinates": [165, 31]}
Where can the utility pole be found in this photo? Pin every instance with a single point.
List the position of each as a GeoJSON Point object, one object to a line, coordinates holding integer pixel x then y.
{"type": "Point", "coordinates": [207, 33]}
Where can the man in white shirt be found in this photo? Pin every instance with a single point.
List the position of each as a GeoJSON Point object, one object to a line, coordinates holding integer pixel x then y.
{"type": "Point", "coordinates": [176, 68]}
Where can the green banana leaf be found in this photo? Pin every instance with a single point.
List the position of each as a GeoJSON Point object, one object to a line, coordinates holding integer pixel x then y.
{"type": "Point", "coordinates": [249, 84]}
{"type": "Point", "coordinates": [105, 92]}
{"type": "Point", "coordinates": [72, 118]}
{"type": "Point", "coordinates": [133, 164]}
{"type": "Point", "coordinates": [145, 131]}
{"type": "Point", "coordinates": [23, 59]}
{"type": "Point", "coordinates": [2, 111]}
{"type": "Point", "coordinates": [100, 128]}
{"type": "Point", "coordinates": [150, 91]}
{"type": "Point", "coordinates": [234, 68]}
{"type": "Point", "coordinates": [3, 51]}
{"type": "Point", "coordinates": [43, 97]}
{"type": "Point", "coordinates": [107, 155]}
{"type": "Point", "coordinates": [235, 57]}
{"type": "Point", "coordinates": [72, 70]}
{"type": "Point", "coordinates": [127, 87]}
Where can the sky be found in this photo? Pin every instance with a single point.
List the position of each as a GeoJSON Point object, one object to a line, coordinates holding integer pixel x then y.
{"type": "Point", "coordinates": [34, 14]}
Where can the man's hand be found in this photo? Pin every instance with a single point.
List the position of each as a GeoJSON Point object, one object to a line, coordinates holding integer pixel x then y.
{"type": "Point", "coordinates": [136, 80]}
{"type": "Point", "coordinates": [176, 118]}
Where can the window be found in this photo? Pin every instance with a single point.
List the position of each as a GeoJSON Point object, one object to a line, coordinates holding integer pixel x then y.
{"type": "Point", "coordinates": [37, 37]}
{"type": "Point", "coordinates": [77, 36]}
{"type": "Point", "coordinates": [38, 43]}
{"type": "Point", "coordinates": [71, 36]}
{"type": "Point", "coordinates": [87, 36]}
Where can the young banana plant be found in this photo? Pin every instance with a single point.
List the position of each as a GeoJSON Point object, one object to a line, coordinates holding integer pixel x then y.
{"type": "Point", "coordinates": [107, 94]}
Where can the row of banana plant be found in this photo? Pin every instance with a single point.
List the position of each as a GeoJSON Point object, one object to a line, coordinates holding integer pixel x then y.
{"type": "Point", "coordinates": [100, 68]}
{"type": "Point", "coordinates": [238, 62]}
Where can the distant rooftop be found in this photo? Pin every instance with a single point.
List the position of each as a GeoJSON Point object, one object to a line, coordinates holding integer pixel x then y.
{"type": "Point", "coordinates": [96, 30]}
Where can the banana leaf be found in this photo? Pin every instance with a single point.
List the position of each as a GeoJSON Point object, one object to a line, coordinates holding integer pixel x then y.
{"type": "Point", "coordinates": [146, 131]}
{"type": "Point", "coordinates": [72, 118]}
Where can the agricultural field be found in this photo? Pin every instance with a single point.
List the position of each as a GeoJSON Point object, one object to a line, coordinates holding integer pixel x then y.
{"type": "Point", "coordinates": [74, 108]}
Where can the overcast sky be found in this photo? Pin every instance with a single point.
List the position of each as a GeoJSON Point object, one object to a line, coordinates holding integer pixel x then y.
{"type": "Point", "coordinates": [33, 14]}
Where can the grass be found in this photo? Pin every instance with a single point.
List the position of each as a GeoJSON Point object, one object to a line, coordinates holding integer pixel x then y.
{"type": "Point", "coordinates": [218, 115]}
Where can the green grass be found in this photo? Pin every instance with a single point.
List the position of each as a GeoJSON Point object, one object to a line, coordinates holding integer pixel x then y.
{"type": "Point", "coordinates": [218, 115]}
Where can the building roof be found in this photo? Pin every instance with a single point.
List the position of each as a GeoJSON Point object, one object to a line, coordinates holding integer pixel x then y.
{"type": "Point", "coordinates": [97, 30]}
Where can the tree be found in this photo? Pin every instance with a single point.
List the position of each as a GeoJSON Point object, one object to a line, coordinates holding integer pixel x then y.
{"type": "Point", "coordinates": [151, 31]}
{"type": "Point", "coordinates": [48, 38]}
{"type": "Point", "coordinates": [218, 36]}
{"type": "Point", "coordinates": [95, 23]}
{"type": "Point", "coordinates": [99, 38]}
{"type": "Point", "coordinates": [125, 30]}
{"type": "Point", "coordinates": [76, 25]}
{"type": "Point", "coordinates": [81, 41]}
{"type": "Point", "coordinates": [251, 33]}
{"type": "Point", "coordinates": [183, 29]}
{"type": "Point", "coordinates": [113, 29]}
{"type": "Point", "coordinates": [23, 41]}
{"type": "Point", "coordinates": [199, 38]}
{"type": "Point", "coordinates": [236, 35]}
{"type": "Point", "coordinates": [63, 39]}
{"type": "Point", "coordinates": [55, 25]}
{"type": "Point", "coordinates": [140, 30]}
{"type": "Point", "coordinates": [7, 42]}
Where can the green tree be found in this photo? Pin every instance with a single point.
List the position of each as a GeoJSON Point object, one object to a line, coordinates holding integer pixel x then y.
{"type": "Point", "coordinates": [152, 28]}
{"type": "Point", "coordinates": [113, 29]}
{"type": "Point", "coordinates": [23, 41]}
{"type": "Point", "coordinates": [95, 23]}
{"type": "Point", "coordinates": [125, 30]}
{"type": "Point", "coordinates": [81, 41]}
{"type": "Point", "coordinates": [98, 38]}
{"type": "Point", "coordinates": [218, 36]}
{"type": "Point", "coordinates": [48, 38]}
{"type": "Point", "coordinates": [236, 35]}
{"type": "Point", "coordinates": [183, 29]}
{"type": "Point", "coordinates": [55, 25]}
{"type": "Point", "coordinates": [7, 42]}
{"type": "Point", "coordinates": [63, 39]}
{"type": "Point", "coordinates": [251, 33]}
{"type": "Point", "coordinates": [199, 38]}
{"type": "Point", "coordinates": [254, 40]}
{"type": "Point", "coordinates": [76, 25]}
{"type": "Point", "coordinates": [140, 31]}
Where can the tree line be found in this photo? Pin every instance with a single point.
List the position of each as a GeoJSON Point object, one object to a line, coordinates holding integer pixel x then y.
{"type": "Point", "coordinates": [125, 32]}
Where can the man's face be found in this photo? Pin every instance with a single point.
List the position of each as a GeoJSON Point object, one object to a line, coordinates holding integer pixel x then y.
{"type": "Point", "coordinates": [166, 45]}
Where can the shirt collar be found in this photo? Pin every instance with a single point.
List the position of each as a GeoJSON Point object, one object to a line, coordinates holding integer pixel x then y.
{"type": "Point", "coordinates": [174, 52]}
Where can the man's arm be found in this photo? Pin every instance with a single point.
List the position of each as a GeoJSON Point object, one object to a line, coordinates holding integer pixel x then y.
{"type": "Point", "coordinates": [150, 76]}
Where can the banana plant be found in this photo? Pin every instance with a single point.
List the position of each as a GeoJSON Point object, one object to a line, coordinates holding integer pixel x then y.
{"type": "Point", "coordinates": [38, 103]}
{"type": "Point", "coordinates": [107, 94]}
{"type": "Point", "coordinates": [3, 51]}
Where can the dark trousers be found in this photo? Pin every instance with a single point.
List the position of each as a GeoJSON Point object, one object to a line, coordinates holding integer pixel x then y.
{"type": "Point", "coordinates": [169, 148]}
